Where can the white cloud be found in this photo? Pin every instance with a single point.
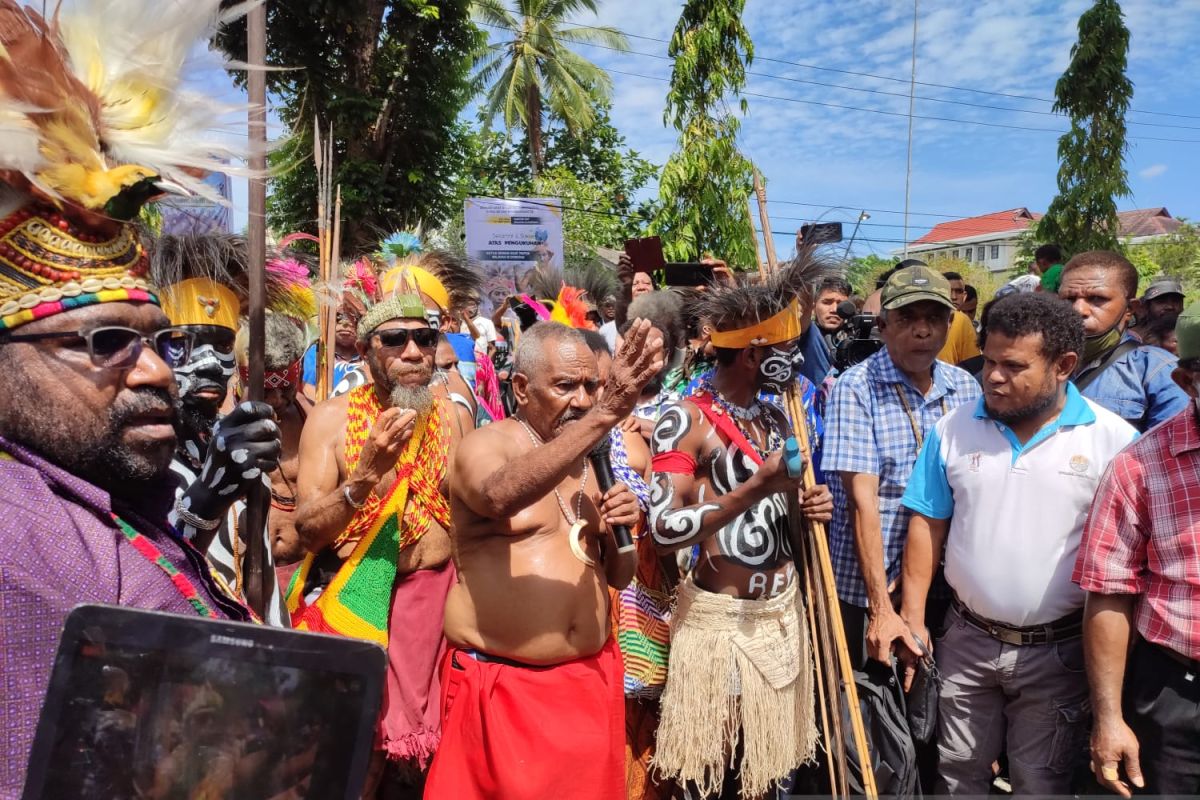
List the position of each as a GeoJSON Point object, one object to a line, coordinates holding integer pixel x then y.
{"type": "Point", "coordinates": [1153, 171]}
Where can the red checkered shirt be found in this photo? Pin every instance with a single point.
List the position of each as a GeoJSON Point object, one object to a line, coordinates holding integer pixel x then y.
{"type": "Point", "coordinates": [1143, 533]}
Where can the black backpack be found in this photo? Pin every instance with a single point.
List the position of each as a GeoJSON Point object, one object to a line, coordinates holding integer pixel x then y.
{"type": "Point", "coordinates": [893, 755]}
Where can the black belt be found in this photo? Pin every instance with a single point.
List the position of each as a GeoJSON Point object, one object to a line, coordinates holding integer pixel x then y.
{"type": "Point", "coordinates": [488, 658]}
{"type": "Point", "coordinates": [1191, 664]}
{"type": "Point", "coordinates": [1069, 627]}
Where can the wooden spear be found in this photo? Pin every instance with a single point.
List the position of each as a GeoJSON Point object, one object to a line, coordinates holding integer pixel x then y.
{"type": "Point", "coordinates": [260, 577]}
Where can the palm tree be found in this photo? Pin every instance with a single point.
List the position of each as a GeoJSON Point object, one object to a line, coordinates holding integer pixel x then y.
{"type": "Point", "coordinates": [534, 69]}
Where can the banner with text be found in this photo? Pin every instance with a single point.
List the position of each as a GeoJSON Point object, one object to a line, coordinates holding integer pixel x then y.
{"type": "Point", "coordinates": [510, 239]}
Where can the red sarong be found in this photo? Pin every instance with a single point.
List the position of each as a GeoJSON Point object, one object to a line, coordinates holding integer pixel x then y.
{"type": "Point", "coordinates": [409, 726]}
{"type": "Point", "coordinates": [531, 733]}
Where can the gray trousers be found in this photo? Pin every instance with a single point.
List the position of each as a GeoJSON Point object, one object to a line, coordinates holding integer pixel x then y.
{"type": "Point", "coordinates": [1033, 697]}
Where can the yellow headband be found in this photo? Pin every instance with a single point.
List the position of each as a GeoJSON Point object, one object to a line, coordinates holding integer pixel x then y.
{"type": "Point", "coordinates": [783, 327]}
{"type": "Point", "coordinates": [400, 279]}
{"type": "Point", "coordinates": [200, 301]}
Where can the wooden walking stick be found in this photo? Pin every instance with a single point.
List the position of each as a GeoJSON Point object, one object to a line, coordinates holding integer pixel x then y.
{"type": "Point", "coordinates": [260, 578]}
{"type": "Point", "coordinates": [818, 538]}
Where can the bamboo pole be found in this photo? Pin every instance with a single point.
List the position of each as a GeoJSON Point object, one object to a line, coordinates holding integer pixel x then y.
{"type": "Point", "coordinates": [762, 267]}
{"type": "Point", "coordinates": [768, 241]}
{"type": "Point", "coordinates": [260, 578]}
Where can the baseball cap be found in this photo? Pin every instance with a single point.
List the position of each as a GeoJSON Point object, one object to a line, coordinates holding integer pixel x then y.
{"type": "Point", "coordinates": [914, 284]}
{"type": "Point", "coordinates": [1187, 332]}
{"type": "Point", "coordinates": [1162, 286]}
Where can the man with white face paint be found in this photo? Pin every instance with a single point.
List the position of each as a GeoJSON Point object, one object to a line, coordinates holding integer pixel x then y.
{"type": "Point", "coordinates": [216, 459]}
{"type": "Point", "coordinates": [719, 481]}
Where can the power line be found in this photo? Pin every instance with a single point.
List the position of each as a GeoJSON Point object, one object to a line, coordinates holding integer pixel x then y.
{"type": "Point", "coordinates": [893, 79]}
{"type": "Point", "coordinates": [901, 114]}
{"type": "Point", "coordinates": [881, 92]}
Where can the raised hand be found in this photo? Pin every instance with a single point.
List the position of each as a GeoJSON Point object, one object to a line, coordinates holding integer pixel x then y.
{"type": "Point", "coordinates": [625, 269]}
{"type": "Point", "coordinates": [639, 359]}
{"type": "Point", "coordinates": [385, 444]}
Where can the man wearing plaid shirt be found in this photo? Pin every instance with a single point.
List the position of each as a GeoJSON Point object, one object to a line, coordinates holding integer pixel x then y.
{"type": "Point", "coordinates": [879, 414]}
{"type": "Point", "coordinates": [1139, 561]}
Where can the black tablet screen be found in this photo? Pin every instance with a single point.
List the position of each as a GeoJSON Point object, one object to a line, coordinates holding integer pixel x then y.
{"type": "Point", "coordinates": [163, 725]}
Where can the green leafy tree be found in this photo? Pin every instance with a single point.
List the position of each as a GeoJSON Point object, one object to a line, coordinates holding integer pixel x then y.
{"type": "Point", "coordinates": [706, 182]}
{"type": "Point", "coordinates": [533, 68]}
{"type": "Point", "coordinates": [1095, 92]}
{"type": "Point", "coordinates": [391, 77]}
{"type": "Point", "coordinates": [863, 271]}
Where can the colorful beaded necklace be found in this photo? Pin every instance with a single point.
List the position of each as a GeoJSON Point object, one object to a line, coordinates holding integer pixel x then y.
{"type": "Point", "coordinates": [152, 554]}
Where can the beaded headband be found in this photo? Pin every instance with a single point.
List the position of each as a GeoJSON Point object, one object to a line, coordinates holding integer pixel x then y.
{"type": "Point", "coordinates": [273, 378]}
{"type": "Point", "coordinates": [48, 265]}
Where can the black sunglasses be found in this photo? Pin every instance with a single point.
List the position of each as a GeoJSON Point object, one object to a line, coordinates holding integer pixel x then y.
{"type": "Point", "coordinates": [397, 338]}
{"type": "Point", "coordinates": [116, 347]}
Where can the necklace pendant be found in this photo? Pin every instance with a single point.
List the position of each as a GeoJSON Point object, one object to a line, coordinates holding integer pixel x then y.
{"type": "Point", "coordinates": [574, 539]}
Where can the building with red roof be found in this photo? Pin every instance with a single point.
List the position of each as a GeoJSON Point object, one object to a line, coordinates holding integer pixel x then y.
{"type": "Point", "coordinates": [992, 240]}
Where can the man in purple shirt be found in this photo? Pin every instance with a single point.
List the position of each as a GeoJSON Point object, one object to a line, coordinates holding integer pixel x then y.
{"type": "Point", "coordinates": [87, 393]}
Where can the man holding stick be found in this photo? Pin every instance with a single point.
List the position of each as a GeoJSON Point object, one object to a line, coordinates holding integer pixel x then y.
{"type": "Point", "coordinates": [532, 685]}
{"type": "Point", "coordinates": [720, 481]}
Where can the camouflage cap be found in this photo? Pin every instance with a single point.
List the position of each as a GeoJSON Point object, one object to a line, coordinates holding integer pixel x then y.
{"type": "Point", "coordinates": [1187, 332]}
{"type": "Point", "coordinates": [914, 284]}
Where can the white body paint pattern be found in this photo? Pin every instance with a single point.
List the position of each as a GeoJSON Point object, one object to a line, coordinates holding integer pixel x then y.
{"type": "Point", "coordinates": [757, 538]}
{"type": "Point", "coordinates": [203, 357]}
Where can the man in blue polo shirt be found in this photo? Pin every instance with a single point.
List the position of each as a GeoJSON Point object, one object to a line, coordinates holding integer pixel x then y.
{"type": "Point", "coordinates": [1004, 487]}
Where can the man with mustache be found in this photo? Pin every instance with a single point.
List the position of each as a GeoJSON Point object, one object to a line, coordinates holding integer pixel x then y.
{"type": "Point", "coordinates": [217, 460]}
{"type": "Point", "coordinates": [375, 523]}
{"type": "Point", "coordinates": [87, 401]}
{"type": "Point", "coordinates": [533, 682]}
{"type": "Point", "coordinates": [999, 494]}
{"type": "Point", "coordinates": [719, 481]}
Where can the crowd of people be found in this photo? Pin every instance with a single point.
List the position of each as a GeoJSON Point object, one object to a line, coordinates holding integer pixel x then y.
{"type": "Point", "coordinates": [577, 526]}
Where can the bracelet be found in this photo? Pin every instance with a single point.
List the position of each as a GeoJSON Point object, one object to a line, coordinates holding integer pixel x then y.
{"type": "Point", "coordinates": [188, 518]}
{"type": "Point", "coordinates": [350, 500]}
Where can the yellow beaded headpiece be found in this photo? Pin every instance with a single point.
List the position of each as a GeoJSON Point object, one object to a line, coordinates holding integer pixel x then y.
{"type": "Point", "coordinates": [94, 121]}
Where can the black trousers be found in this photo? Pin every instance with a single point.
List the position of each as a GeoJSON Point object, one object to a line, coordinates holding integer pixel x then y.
{"type": "Point", "coordinates": [1162, 706]}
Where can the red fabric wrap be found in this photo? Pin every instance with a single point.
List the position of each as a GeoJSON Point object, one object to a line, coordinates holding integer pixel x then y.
{"type": "Point", "coordinates": [676, 462]}
{"type": "Point", "coordinates": [410, 727]}
{"type": "Point", "coordinates": [530, 733]}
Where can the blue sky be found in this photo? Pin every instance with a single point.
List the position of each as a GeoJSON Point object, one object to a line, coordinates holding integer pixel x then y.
{"type": "Point", "coordinates": [823, 162]}
{"type": "Point", "coordinates": [832, 157]}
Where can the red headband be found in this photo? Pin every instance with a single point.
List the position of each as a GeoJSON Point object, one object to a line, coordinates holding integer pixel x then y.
{"type": "Point", "coordinates": [275, 379]}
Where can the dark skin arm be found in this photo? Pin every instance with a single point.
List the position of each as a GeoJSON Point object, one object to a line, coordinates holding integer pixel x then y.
{"type": "Point", "coordinates": [503, 491]}
{"type": "Point", "coordinates": [1107, 634]}
{"type": "Point", "coordinates": [322, 510]}
{"type": "Point", "coordinates": [922, 554]}
{"type": "Point", "coordinates": [884, 627]}
{"type": "Point", "coordinates": [625, 295]}
{"type": "Point", "coordinates": [681, 520]}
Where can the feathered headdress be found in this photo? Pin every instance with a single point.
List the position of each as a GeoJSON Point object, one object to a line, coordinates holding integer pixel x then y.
{"type": "Point", "coordinates": [94, 113]}
{"type": "Point", "coordinates": [767, 312]}
{"type": "Point", "coordinates": [449, 280]}
{"type": "Point", "coordinates": [93, 122]}
{"type": "Point", "coordinates": [205, 280]}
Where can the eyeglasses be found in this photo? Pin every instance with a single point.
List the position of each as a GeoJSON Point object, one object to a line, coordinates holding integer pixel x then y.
{"type": "Point", "coordinates": [115, 347]}
{"type": "Point", "coordinates": [397, 338]}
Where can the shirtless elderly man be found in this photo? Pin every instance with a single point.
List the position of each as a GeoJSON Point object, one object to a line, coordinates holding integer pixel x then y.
{"type": "Point", "coordinates": [532, 685]}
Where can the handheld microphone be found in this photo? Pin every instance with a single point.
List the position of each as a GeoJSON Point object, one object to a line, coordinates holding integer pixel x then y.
{"type": "Point", "coordinates": [602, 465]}
{"type": "Point", "coordinates": [847, 310]}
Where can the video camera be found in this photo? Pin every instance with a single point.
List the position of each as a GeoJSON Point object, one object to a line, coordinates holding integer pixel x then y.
{"type": "Point", "coordinates": [858, 338]}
